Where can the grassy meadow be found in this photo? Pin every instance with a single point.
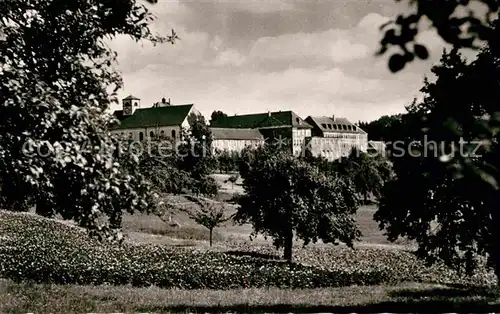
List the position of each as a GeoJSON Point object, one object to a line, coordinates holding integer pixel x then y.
{"type": "Point", "coordinates": [167, 265]}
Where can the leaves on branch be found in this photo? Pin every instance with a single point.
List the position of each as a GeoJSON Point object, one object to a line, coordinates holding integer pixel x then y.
{"type": "Point", "coordinates": [397, 62]}
{"type": "Point", "coordinates": [57, 153]}
{"type": "Point", "coordinates": [421, 52]}
{"type": "Point", "coordinates": [453, 180]}
{"type": "Point", "coordinates": [462, 30]}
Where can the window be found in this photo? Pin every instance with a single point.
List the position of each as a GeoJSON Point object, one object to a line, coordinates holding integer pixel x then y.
{"type": "Point", "coordinates": [122, 135]}
{"type": "Point", "coordinates": [334, 126]}
{"type": "Point", "coordinates": [151, 134]}
{"type": "Point", "coordinates": [173, 134]}
{"type": "Point", "coordinates": [324, 126]}
{"type": "Point", "coordinates": [349, 128]}
{"type": "Point", "coordinates": [162, 133]}
{"type": "Point", "coordinates": [330, 126]}
{"type": "Point", "coordinates": [141, 136]}
{"type": "Point", "coordinates": [297, 119]}
{"type": "Point", "coordinates": [344, 127]}
{"type": "Point", "coordinates": [130, 135]}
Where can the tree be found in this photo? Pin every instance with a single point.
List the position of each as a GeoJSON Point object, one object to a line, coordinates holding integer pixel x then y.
{"type": "Point", "coordinates": [159, 165]}
{"type": "Point", "coordinates": [320, 162]}
{"type": "Point", "coordinates": [216, 114]}
{"type": "Point", "coordinates": [247, 158]}
{"type": "Point", "coordinates": [385, 128]}
{"type": "Point", "coordinates": [227, 161]}
{"type": "Point", "coordinates": [209, 214]}
{"type": "Point", "coordinates": [363, 170]}
{"type": "Point", "coordinates": [233, 179]}
{"type": "Point", "coordinates": [452, 215]}
{"type": "Point", "coordinates": [195, 156]}
{"type": "Point", "coordinates": [285, 195]}
{"type": "Point", "coordinates": [55, 149]}
{"type": "Point", "coordinates": [384, 168]}
{"type": "Point", "coordinates": [461, 23]}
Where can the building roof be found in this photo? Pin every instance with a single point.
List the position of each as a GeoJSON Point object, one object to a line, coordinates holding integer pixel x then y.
{"type": "Point", "coordinates": [119, 115]}
{"type": "Point", "coordinates": [376, 145]}
{"type": "Point", "coordinates": [262, 120]}
{"type": "Point", "coordinates": [130, 97]}
{"type": "Point", "coordinates": [236, 134]}
{"type": "Point", "coordinates": [155, 116]}
{"type": "Point", "coordinates": [334, 125]}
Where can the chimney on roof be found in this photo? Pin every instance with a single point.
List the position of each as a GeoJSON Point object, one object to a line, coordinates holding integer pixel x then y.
{"type": "Point", "coordinates": [163, 100]}
{"type": "Point", "coordinates": [269, 113]}
{"type": "Point", "coordinates": [333, 117]}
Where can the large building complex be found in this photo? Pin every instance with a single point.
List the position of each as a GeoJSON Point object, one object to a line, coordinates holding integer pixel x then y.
{"type": "Point", "coordinates": [329, 137]}
{"type": "Point", "coordinates": [284, 126]}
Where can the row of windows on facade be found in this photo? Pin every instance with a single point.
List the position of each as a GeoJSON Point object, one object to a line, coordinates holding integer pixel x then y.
{"type": "Point", "coordinates": [339, 127]}
{"type": "Point", "coordinates": [335, 136]}
{"type": "Point", "coordinates": [343, 146]}
{"type": "Point", "coordinates": [236, 142]}
{"type": "Point", "coordinates": [351, 136]}
{"type": "Point", "coordinates": [297, 142]}
{"type": "Point", "coordinates": [151, 134]}
{"type": "Point", "coordinates": [300, 132]}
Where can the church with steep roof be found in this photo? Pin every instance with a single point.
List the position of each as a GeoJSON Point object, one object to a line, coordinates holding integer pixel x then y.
{"type": "Point", "coordinates": [162, 119]}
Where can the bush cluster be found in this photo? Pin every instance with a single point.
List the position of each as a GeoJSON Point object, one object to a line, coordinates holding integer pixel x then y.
{"type": "Point", "coordinates": [402, 266]}
{"type": "Point", "coordinates": [45, 251]}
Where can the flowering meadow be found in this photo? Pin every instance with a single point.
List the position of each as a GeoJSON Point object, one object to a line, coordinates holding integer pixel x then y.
{"type": "Point", "coordinates": [41, 250]}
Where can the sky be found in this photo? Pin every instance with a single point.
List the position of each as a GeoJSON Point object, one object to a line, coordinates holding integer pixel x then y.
{"type": "Point", "coordinates": [314, 57]}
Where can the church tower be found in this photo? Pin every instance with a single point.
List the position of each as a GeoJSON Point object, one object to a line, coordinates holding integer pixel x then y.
{"type": "Point", "coordinates": [129, 104]}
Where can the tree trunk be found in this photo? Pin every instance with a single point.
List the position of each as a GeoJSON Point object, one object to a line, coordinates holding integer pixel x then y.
{"type": "Point", "coordinates": [496, 245]}
{"type": "Point", "coordinates": [496, 256]}
{"type": "Point", "coordinates": [495, 241]}
{"type": "Point", "coordinates": [211, 232]}
{"type": "Point", "coordinates": [288, 245]}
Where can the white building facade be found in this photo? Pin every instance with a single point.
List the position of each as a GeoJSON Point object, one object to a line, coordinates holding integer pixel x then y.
{"type": "Point", "coordinates": [333, 138]}
{"type": "Point", "coordinates": [235, 140]}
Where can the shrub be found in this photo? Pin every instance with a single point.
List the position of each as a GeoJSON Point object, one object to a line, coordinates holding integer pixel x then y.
{"type": "Point", "coordinates": [184, 232]}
